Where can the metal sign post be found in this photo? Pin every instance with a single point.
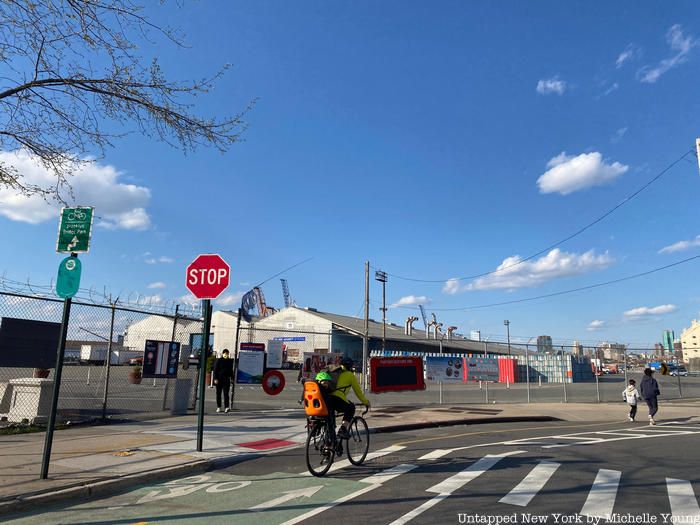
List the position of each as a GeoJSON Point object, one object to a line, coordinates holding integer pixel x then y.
{"type": "Point", "coordinates": [207, 277]}
{"type": "Point", "coordinates": [60, 352]}
{"type": "Point", "coordinates": [203, 355]}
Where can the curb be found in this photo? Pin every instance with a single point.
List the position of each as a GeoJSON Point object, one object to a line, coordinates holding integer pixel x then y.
{"type": "Point", "coordinates": [110, 486]}
{"type": "Point", "coordinates": [454, 422]}
{"type": "Point", "coordinates": [103, 487]}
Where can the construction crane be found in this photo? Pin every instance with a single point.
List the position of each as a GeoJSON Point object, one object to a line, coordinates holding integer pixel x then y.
{"type": "Point", "coordinates": [422, 313]}
{"type": "Point", "coordinates": [288, 301]}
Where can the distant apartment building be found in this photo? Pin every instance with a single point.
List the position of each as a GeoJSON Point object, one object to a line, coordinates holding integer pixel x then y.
{"type": "Point", "coordinates": [613, 351]}
{"type": "Point", "coordinates": [659, 350]}
{"type": "Point", "coordinates": [690, 341]}
{"type": "Point", "coordinates": [544, 344]}
{"type": "Point", "coordinates": [577, 349]}
{"type": "Point", "coordinates": [667, 340]}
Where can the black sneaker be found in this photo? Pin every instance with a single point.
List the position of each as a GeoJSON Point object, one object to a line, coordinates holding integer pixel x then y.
{"type": "Point", "coordinates": [343, 433]}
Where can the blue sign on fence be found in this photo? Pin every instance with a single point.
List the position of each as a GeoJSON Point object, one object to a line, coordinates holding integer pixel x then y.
{"type": "Point", "coordinates": [287, 339]}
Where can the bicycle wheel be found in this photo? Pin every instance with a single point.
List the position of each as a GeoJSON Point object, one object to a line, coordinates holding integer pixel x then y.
{"type": "Point", "coordinates": [358, 441]}
{"type": "Point", "coordinates": [320, 451]}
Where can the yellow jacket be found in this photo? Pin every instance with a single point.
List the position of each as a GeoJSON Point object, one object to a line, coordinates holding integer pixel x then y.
{"type": "Point", "coordinates": [347, 380]}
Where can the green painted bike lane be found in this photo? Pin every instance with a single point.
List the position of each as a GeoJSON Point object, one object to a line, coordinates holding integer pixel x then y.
{"type": "Point", "coordinates": [210, 498]}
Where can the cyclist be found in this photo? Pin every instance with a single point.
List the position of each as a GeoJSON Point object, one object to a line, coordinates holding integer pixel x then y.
{"type": "Point", "coordinates": [338, 400]}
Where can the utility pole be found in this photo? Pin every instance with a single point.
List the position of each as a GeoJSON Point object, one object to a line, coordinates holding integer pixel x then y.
{"type": "Point", "coordinates": [382, 278]}
{"type": "Point", "coordinates": [365, 340]}
{"type": "Point", "coordinates": [507, 323]}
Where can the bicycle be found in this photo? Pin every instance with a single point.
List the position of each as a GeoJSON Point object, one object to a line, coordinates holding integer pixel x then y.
{"type": "Point", "coordinates": [323, 444]}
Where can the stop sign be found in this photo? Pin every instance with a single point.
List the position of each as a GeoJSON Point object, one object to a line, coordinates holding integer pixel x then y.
{"type": "Point", "coordinates": [207, 276]}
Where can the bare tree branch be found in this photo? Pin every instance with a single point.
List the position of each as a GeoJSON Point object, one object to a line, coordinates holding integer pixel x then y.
{"type": "Point", "coordinates": [57, 104]}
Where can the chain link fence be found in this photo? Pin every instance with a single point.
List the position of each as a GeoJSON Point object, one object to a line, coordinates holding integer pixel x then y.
{"type": "Point", "coordinates": [93, 385]}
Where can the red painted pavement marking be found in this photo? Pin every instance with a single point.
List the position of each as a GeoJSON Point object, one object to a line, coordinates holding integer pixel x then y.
{"type": "Point", "coordinates": [266, 444]}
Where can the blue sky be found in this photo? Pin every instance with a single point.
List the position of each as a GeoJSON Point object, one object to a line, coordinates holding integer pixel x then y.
{"type": "Point", "coordinates": [436, 140]}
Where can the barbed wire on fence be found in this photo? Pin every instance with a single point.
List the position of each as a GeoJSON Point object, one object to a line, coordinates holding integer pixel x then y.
{"type": "Point", "coordinates": [135, 300]}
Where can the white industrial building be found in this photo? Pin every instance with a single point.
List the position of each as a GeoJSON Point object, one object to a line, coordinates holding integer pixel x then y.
{"type": "Point", "coordinates": [310, 330]}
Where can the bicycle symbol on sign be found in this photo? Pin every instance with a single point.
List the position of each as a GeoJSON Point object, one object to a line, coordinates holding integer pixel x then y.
{"type": "Point", "coordinates": [76, 215]}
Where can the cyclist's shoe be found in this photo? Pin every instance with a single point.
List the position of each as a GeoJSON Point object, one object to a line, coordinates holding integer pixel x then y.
{"type": "Point", "coordinates": [343, 433]}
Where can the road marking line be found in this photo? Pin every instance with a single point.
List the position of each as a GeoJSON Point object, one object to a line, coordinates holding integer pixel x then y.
{"type": "Point", "coordinates": [436, 454]}
{"type": "Point", "coordinates": [576, 438]}
{"type": "Point", "coordinates": [389, 474]}
{"type": "Point", "coordinates": [420, 510]}
{"type": "Point", "coordinates": [531, 484]}
{"type": "Point", "coordinates": [446, 487]}
{"type": "Point", "coordinates": [601, 497]}
{"type": "Point", "coordinates": [615, 433]}
{"type": "Point", "coordinates": [374, 482]}
{"type": "Point", "coordinates": [682, 499]}
{"type": "Point", "coordinates": [337, 465]}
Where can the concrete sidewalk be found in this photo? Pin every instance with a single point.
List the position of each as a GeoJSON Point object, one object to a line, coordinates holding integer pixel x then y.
{"type": "Point", "coordinates": [105, 458]}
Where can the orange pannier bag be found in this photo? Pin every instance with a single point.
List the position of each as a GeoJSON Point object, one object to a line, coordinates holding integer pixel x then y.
{"type": "Point", "coordinates": [314, 404]}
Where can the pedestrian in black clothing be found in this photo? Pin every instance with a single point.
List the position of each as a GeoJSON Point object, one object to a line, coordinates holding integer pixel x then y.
{"type": "Point", "coordinates": [649, 389]}
{"type": "Point", "coordinates": [223, 374]}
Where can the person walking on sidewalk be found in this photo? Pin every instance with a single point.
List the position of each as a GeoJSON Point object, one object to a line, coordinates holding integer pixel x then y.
{"type": "Point", "coordinates": [631, 395]}
{"type": "Point", "coordinates": [650, 392]}
{"type": "Point", "coordinates": [223, 374]}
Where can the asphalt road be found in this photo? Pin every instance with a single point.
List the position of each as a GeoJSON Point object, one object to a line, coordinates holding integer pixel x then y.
{"type": "Point", "coordinates": [557, 472]}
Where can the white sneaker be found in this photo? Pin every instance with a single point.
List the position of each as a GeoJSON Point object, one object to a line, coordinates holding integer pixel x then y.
{"type": "Point", "coordinates": [218, 410]}
{"type": "Point", "coordinates": [226, 409]}
{"type": "Point", "coordinates": [651, 421]}
{"type": "Point", "coordinates": [631, 419]}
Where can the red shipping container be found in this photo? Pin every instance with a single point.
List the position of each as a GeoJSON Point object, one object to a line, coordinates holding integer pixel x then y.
{"type": "Point", "coordinates": [507, 370]}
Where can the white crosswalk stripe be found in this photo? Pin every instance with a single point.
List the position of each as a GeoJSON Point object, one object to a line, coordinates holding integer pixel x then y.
{"type": "Point", "coordinates": [531, 484]}
{"type": "Point", "coordinates": [373, 482]}
{"type": "Point", "coordinates": [448, 486]}
{"type": "Point", "coordinates": [684, 505]}
{"type": "Point", "coordinates": [601, 498]}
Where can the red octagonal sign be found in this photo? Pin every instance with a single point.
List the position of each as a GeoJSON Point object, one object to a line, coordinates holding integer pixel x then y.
{"type": "Point", "coordinates": [207, 276]}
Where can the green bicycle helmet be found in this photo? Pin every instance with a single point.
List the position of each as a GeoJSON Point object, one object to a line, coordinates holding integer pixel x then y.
{"type": "Point", "coordinates": [323, 376]}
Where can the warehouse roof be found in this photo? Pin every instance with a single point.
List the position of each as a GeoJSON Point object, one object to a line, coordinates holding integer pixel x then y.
{"type": "Point", "coordinates": [356, 326]}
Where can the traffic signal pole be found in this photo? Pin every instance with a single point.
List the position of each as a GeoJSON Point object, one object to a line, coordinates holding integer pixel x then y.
{"type": "Point", "coordinates": [203, 355]}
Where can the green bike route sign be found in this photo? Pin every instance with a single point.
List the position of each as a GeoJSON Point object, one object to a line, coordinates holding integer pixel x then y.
{"type": "Point", "coordinates": [74, 230]}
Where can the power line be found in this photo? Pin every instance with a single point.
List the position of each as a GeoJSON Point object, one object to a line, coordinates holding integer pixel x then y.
{"type": "Point", "coordinates": [563, 292]}
{"type": "Point", "coordinates": [283, 271]}
{"type": "Point", "coordinates": [560, 242]}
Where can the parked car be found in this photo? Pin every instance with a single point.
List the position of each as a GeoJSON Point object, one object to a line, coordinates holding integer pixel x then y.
{"type": "Point", "coordinates": [679, 372]}
{"type": "Point", "coordinates": [136, 361]}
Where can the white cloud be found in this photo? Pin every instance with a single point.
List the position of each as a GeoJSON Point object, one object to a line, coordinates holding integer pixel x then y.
{"type": "Point", "coordinates": [229, 299]}
{"type": "Point", "coordinates": [117, 205]}
{"type": "Point", "coordinates": [596, 324]}
{"type": "Point", "coordinates": [162, 259]}
{"type": "Point", "coordinates": [411, 300]}
{"type": "Point", "coordinates": [512, 274]}
{"type": "Point", "coordinates": [681, 44]}
{"type": "Point", "coordinates": [614, 87]}
{"type": "Point", "coordinates": [551, 85]}
{"type": "Point", "coordinates": [158, 284]}
{"type": "Point", "coordinates": [149, 300]}
{"type": "Point", "coordinates": [681, 245]}
{"type": "Point", "coordinates": [568, 174]}
{"type": "Point", "coordinates": [188, 299]}
{"type": "Point", "coordinates": [630, 53]}
{"type": "Point", "coordinates": [619, 134]}
{"type": "Point", "coordinates": [644, 311]}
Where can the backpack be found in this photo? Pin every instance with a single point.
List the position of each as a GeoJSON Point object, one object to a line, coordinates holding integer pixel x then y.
{"type": "Point", "coordinates": [334, 371]}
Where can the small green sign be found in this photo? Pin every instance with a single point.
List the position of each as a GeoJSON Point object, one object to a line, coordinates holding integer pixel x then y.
{"type": "Point", "coordinates": [68, 280]}
{"type": "Point", "coordinates": [74, 230]}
